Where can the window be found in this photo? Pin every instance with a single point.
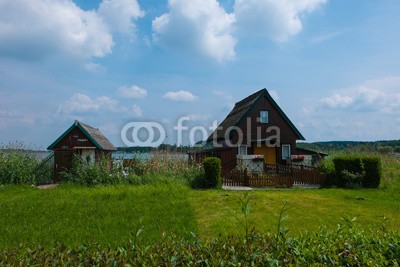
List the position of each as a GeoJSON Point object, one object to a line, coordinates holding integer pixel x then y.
{"type": "Point", "coordinates": [264, 116]}
{"type": "Point", "coordinates": [286, 153]}
{"type": "Point", "coordinates": [242, 150]}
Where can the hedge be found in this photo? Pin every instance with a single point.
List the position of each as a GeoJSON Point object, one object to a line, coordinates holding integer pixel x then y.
{"type": "Point", "coordinates": [358, 171]}
{"type": "Point", "coordinates": [212, 172]}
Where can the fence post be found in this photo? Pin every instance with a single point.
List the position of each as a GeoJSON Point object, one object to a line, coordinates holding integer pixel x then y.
{"type": "Point", "coordinates": [246, 178]}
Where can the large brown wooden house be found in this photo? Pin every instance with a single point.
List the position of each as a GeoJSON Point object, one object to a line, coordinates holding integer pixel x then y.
{"type": "Point", "coordinates": [255, 126]}
{"type": "Point", "coordinates": [79, 139]}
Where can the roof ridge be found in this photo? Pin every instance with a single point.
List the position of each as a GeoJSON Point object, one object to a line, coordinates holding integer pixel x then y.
{"type": "Point", "coordinates": [250, 96]}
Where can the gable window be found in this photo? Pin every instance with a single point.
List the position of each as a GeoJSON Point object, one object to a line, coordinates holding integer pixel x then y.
{"type": "Point", "coordinates": [286, 151]}
{"type": "Point", "coordinates": [264, 116]}
{"type": "Point", "coordinates": [242, 150]}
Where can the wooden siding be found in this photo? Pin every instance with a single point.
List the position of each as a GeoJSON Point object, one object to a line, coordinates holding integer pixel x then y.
{"type": "Point", "coordinates": [76, 138]}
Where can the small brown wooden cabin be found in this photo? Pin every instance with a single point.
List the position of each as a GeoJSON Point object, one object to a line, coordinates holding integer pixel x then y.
{"type": "Point", "coordinates": [255, 126]}
{"type": "Point", "coordinates": [80, 139]}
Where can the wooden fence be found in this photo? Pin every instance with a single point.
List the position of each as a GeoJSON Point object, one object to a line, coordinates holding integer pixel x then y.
{"type": "Point", "coordinates": [275, 176]}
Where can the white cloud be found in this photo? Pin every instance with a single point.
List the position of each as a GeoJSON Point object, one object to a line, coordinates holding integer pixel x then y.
{"type": "Point", "coordinates": [80, 103]}
{"type": "Point", "coordinates": [364, 99]}
{"type": "Point", "coordinates": [326, 37]}
{"type": "Point", "coordinates": [180, 96]}
{"type": "Point", "coordinates": [274, 19]}
{"type": "Point", "coordinates": [118, 14]}
{"type": "Point", "coordinates": [197, 25]}
{"type": "Point", "coordinates": [137, 111]}
{"type": "Point", "coordinates": [132, 91]}
{"type": "Point", "coordinates": [336, 100]}
{"type": "Point", "coordinates": [37, 29]}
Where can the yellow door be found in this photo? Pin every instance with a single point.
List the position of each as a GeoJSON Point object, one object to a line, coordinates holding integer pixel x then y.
{"type": "Point", "coordinates": [268, 152]}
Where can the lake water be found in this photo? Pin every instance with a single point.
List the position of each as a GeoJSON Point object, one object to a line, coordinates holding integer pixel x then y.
{"type": "Point", "coordinates": [119, 155]}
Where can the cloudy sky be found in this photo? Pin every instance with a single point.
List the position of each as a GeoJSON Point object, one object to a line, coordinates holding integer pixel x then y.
{"type": "Point", "coordinates": [333, 66]}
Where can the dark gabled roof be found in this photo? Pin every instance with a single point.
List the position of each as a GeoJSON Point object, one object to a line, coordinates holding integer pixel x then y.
{"type": "Point", "coordinates": [93, 134]}
{"type": "Point", "coordinates": [242, 109]}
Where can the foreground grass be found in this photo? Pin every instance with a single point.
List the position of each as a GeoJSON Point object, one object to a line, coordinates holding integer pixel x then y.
{"type": "Point", "coordinates": [216, 211]}
{"type": "Point", "coordinates": [107, 215]}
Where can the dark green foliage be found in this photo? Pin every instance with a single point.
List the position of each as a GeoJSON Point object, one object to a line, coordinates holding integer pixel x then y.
{"type": "Point", "coordinates": [88, 174]}
{"type": "Point", "coordinates": [212, 172]}
{"type": "Point", "coordinates": [357, 171]}
{"type": "Point", "coordinates": [345, 246]}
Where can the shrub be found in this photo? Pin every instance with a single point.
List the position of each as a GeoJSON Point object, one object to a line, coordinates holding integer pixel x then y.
{"type": "Point", "coordinates": [90, 174]}
{"type": "Point", "coordinates": [358, 171]}
{"type": "Point", "coordinates": [212, 172]}
{"type": "Point", "coordinates": [328, 168]}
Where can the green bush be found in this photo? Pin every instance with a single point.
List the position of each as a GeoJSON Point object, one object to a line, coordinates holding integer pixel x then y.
{"type": "Point", "coordinates": [328, 168]}
{"type": "Point", "coordinates": [91, 174]}
{"type": "Point", "coordinates": [358, 171]}
{"type": "Point", "coordinates": [212, 172]}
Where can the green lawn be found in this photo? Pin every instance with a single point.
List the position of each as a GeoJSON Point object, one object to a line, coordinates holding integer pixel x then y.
{"type": "Point", "coordinates": [308, 209]}
{"type": "Point", "coordinates": [108, 215]}
{"type": "Point", "coordinates": [77, 215]}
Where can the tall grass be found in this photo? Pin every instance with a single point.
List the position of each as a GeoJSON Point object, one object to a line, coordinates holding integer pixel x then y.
{"type": "Point", "coordinates": [163, 167]}
{"type": "Point", "coordinates": [17, 164]}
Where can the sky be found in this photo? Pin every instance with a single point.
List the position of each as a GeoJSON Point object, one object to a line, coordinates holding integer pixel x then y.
{"type": "Point", "coordinates": [332, 66]}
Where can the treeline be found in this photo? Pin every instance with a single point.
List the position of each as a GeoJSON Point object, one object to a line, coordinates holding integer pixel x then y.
{"type": "Point", "coordinates": [391, 146]}
{"type": "Point", "coordinates": [162, 147]}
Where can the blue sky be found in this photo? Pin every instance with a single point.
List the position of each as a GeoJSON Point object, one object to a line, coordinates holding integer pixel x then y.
{"type": "Point", "coordinates": [333, 66]}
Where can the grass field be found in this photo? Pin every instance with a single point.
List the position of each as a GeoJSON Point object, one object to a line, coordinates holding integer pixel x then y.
{"type": "Point", "coordinates": [110, 214]}
{"type": "Point", "coordinates": [107, 215]}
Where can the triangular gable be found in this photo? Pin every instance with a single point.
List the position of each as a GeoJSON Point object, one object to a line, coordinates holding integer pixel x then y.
{"type": "Point", "coordinates": [88, 132]}
{"type": "Point", "coordinates": [242, 109]}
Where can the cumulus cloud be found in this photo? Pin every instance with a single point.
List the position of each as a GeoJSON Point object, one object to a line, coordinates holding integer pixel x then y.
{"type": "Point", "coordinates": [80, 103]}
{"type": "Point", "coordinates": [132, 91]}
{"type": "Point", "coordinates": [337, 100]}
{"type": "Point", "coordinates": [371, 96]}
{"type": "Point", "coordinates": [198, 25]}
{"type": "Point", "coordinates": [180, 96]}
{"type": "Point", "coordinates": [137, 111]}
{"type": "Point", "coordinates": [274, 19]}
{"type": "Point", "coordinates": [39, 28]}
{"type": "Point", "coordinates": [118, 14]}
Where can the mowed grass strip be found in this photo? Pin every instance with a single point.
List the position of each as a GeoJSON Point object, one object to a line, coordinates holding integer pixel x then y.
{"type": "Point", "coordinates": [216, 210]}
{"type": "Point", "coordinates": [106, 215]}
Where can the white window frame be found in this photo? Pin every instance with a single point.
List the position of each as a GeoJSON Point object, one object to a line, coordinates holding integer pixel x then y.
{"type": "Point", "coordinates": [264, 117]}
{"type": "Point", "coordinates": [289, 154]}
{"type": "Point", "coordinates": [242, 148]}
